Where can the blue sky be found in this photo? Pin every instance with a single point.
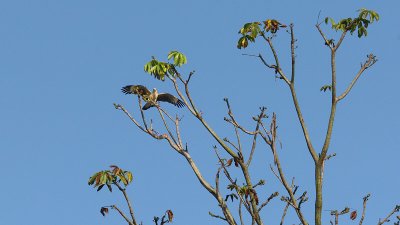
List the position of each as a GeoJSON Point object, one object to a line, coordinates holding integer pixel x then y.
{"type": "Point", "coordinates": [63, 64]}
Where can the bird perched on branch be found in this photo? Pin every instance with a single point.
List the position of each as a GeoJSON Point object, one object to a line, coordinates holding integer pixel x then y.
{"type": "Point", "coordinates": [152, 98]}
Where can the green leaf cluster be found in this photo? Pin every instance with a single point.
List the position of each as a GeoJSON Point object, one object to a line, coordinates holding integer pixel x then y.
{"type": "Point", "coordinates": [179, 58]}
{"type": "Point", "coordinates": [250, 31]}
{"type": "Point", "coordinates": [110, 177]}
{"type": "Point", "coordinates": [160, 69]}
{"type": "Point", "coordinates": [359, 23]}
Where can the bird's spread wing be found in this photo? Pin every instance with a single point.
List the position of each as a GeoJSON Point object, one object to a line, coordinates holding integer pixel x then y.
{"type": "Point", "coordinates": [136, 89]}
{"type": "Point", "coordinates": [148, 105]}
{"type": "Point", "coordinates": [165, 97]}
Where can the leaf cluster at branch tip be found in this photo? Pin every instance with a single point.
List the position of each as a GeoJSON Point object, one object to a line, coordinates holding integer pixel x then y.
{"type": "Point", "coordinates": [359, 23]}
{"type": "Point", "coordinates": [160, 69]}
{"type": "Point", "coordinates": [250, 31]}
{"type": "Point", "coordinates": [110, 177]}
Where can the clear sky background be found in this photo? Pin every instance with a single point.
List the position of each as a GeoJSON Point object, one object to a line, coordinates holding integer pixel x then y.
{"type": "Point", "coordinates": [62, 64]}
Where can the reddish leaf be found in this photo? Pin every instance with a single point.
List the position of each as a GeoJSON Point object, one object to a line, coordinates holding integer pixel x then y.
{"type": "Point", "coordinates": [170, 215]}
{"type": "Point", "coordinates": [113, 166]}
{"type": "Point", "coordinates": [115, 169]}
{"type": "Point", "coordinates": [353, 215]}
{"type": "Point", "coordinates": [103, 211]}
{"type": "Point", "coordinates": [98, 179]}
{"type": "Point", "coordinates": [229, 162]}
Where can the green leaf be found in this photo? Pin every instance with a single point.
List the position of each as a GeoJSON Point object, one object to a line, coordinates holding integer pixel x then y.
{"type": "Point", "coordinates": [360, 23]}
{"type": "Point", "coordinates": [242, 43]}
{"type": "Point", "coordinates": [92, 179]}
{"type": "Point", "coordinates": [103, 178]}
{"type": "Point", "coordinates": [129, 176]}
{"type": "Point", "coordinates": [326, 87]}
{"type": "Point", "coordinates": [157, 69]}
{"type": "Point", "coordinates": [250, 38]}
{"type": "Point", "coordinates": [332, 21]}
{"type": "Point", "coordinates": [123, 179]}
{"type": "Point", "coordinates": [179, 58]}
{"type": "Point", "coordinates": [150, 65]}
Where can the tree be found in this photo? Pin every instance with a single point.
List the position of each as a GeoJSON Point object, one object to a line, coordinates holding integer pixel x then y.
{"type": "Point", "coordinates": [241, 194]}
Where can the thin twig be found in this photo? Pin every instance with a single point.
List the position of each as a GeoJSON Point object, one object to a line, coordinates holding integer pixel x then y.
{"type": "Point", "coordinates": [127, 201]}
{"type": "Point", "coordinates": [166, 125]}
{"type": "Point", "coordinates": [395, 209]}
{"type": "Point", "coordinates": [238, 140]}
{"type": "Point", "coordinates": [240, 212]}
{"type": "Point", "coordinates": [273, 195]}
{"type": "Point", "coordinates": [232, 181]}
{"type": "Point", "coordinates": [278, 67]}
{"type": "Point", "coordinates": [281, 177]}
{"type": "Point", "coordinates": [216, 216]}
{"type": "Point", "coordinates": [340, 40]}
{"type": "Point", "coordinates": [293, 56]}
{"type": "Point", "coordinates": [232, 144]}
{"type": "Point", "coordinates": [142, 113]}
{"type": "Point", "coordinates": [217, 179]}
{"type": "Point", "coordinates": [365, 199]}
{"type": "Point", "coordinates": [123, 215]}
{"type": "Point", "coordinates": [370, 61]}
{"type": "Point", "coordinates": [120, 107]}
{"type": "Point", "coordinates": [284, 213]}
{"type": "Point", "coordinates": [256, 131]}
{"type": "Point", "coordinates": [323, 36]}
{"type": "Point", "coordinates": [178, 133]}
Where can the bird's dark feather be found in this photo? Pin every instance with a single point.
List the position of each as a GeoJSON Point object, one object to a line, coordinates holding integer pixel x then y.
{"type": "Point", "coordinates": [166, 97]}
{"type": "Point", "coordinates": [136, 89]}
{"type": "Point", "coordinates": [148, 105]}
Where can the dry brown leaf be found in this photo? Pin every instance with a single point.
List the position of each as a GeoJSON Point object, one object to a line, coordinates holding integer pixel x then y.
{"type": "Point", "coordinates": [353, 215]}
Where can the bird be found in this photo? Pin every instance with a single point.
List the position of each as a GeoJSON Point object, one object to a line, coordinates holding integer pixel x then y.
{"type": "Point", "coordinates": [152, 98]}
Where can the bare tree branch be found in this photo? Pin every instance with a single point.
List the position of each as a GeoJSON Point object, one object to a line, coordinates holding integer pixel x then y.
{"type": "Point", "coordinates": [370, 61]}
{"type": "Point", "coordinates": [127, 201]}
{"type": "Point", "coordinates": [340, 40]}
{"type": "Point", "coordinates": [123, 215]}
{"type": "Point", "coordinates": [240, 212]}
{"type": "Point", "coordinates": [232, 182]}
{"type": "Point", "coordinates": [194, 167]}
{"type": "Point", "coordinates": [327, 43]}
{"type": "Point", "coordinates": [336, 214]}
{"type": "Point", "coordinates": [292, 90]}
{"type": "Point", "coordinates": [178, 133]}
{"type": "Point", "coordinates": [216, 216]}
{"type": "Point", "coordinates": [165, 124]}
{"type": "Point", "coordinates": [277, 68]}
{"type": "Point", "coordinates": [293, 56]}
{"type": "Point", "coordinates": [273, 195]}
{"type": "Point", "coordinates": [395, 209]}
{"type": "Point", "coordinates": [232, 144]}
{"type": "Point", "coordinates": [281, 177]}
{"type": "Point", "coordinates": [284, 213]}
{"type": "Point", "coordinates": [365, 199]}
